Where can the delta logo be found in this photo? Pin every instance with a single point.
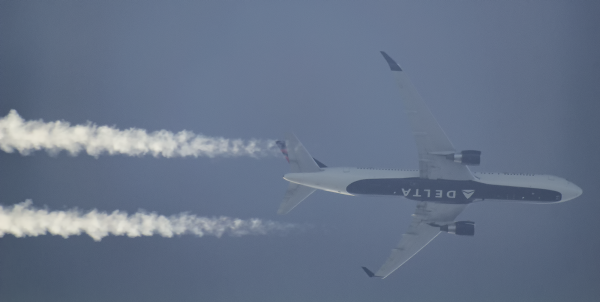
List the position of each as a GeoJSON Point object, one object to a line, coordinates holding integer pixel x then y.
{"type": "Point", "coordinates": [468, 193]}
{"type": "Point", "coordinates": [436, 193]}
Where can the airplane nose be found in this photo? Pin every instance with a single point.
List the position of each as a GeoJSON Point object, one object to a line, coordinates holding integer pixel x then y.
{"type": "Point", "coordinates": [578, 191]}
{"type": "Point", "coordinates": [572, 191]}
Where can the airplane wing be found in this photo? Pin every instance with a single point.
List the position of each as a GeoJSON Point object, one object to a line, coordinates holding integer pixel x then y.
{"type": "Point", "coordinates": [419, 234]}
{"type": "Point", "coordinates": [433, 146]}
{"type": "Point", "coordinates": [432, 143]}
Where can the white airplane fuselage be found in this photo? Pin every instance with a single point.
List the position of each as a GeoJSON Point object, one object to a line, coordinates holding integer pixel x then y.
{"type": "Point", "coordinates": [532, 188]}
{"type": "Point", "coordinates": [443, 186]}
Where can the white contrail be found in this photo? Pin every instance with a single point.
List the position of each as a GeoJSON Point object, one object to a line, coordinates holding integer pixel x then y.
{"type": "Point", "coordinates": [27, 136]}
{"type": "Point", "coordinates": [23, 220]}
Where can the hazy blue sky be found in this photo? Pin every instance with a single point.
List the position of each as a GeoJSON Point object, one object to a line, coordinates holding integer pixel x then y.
{"type": "Point", "coordinates": [519, 80]}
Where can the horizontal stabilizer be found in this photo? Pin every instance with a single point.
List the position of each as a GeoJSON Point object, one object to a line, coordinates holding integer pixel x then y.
{"type": "Point", "coordinates": [295, 194]}
{"type": "Point", "coordinates": [320, 164]}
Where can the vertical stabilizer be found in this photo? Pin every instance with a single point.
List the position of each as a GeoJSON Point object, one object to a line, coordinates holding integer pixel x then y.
{"type": "Point", "coordinates": [295, 153]}
{"type": "Point", "coordinates": [300, 162]}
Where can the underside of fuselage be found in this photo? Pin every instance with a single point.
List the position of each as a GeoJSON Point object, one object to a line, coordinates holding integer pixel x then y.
{"type": "Point", "coordinates": [406, 183]}
{"type": "Point", "coordinates": [443, 185]}
{"type": "Point", "coordinates": [449, 191]}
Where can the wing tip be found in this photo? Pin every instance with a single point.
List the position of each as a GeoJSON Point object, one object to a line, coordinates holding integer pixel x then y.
{"type": "Point", "coordinates": [369, 272]}
{"type": "Point", "coordinates": [393, 65]}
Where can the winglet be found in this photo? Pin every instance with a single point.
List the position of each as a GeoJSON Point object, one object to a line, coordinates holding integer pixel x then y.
{"type": "Point", "coordinates": [369, 272]}
{"type": "Point", "coordinates": [393, 65]}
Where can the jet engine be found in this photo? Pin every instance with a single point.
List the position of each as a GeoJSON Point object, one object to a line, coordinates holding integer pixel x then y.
{"type": "Point", "coordinates": [467, 157]}
{"type": "Point", "coordinates": [463, 228]}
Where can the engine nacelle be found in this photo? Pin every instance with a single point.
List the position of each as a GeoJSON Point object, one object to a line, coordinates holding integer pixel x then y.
{"type": "Point", "coordinates": [462, 228]}
{"type": "Point", "coordinates": [467, 157]}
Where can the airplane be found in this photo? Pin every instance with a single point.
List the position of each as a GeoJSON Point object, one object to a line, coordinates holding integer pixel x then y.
{"type": "Point", "coordinates": [443, 186]}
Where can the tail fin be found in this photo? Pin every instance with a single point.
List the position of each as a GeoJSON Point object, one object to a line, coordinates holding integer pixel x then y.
{"type": "Point", "coordinates": [299, 159]}
{"type": "Point", "coordinates": [283, 149]}
{"type": "Point", "coordinates": [300, 162]}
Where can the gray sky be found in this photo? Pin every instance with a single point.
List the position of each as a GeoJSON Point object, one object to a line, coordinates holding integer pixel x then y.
{"type": "Point", "coordinates": [518, 80]}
